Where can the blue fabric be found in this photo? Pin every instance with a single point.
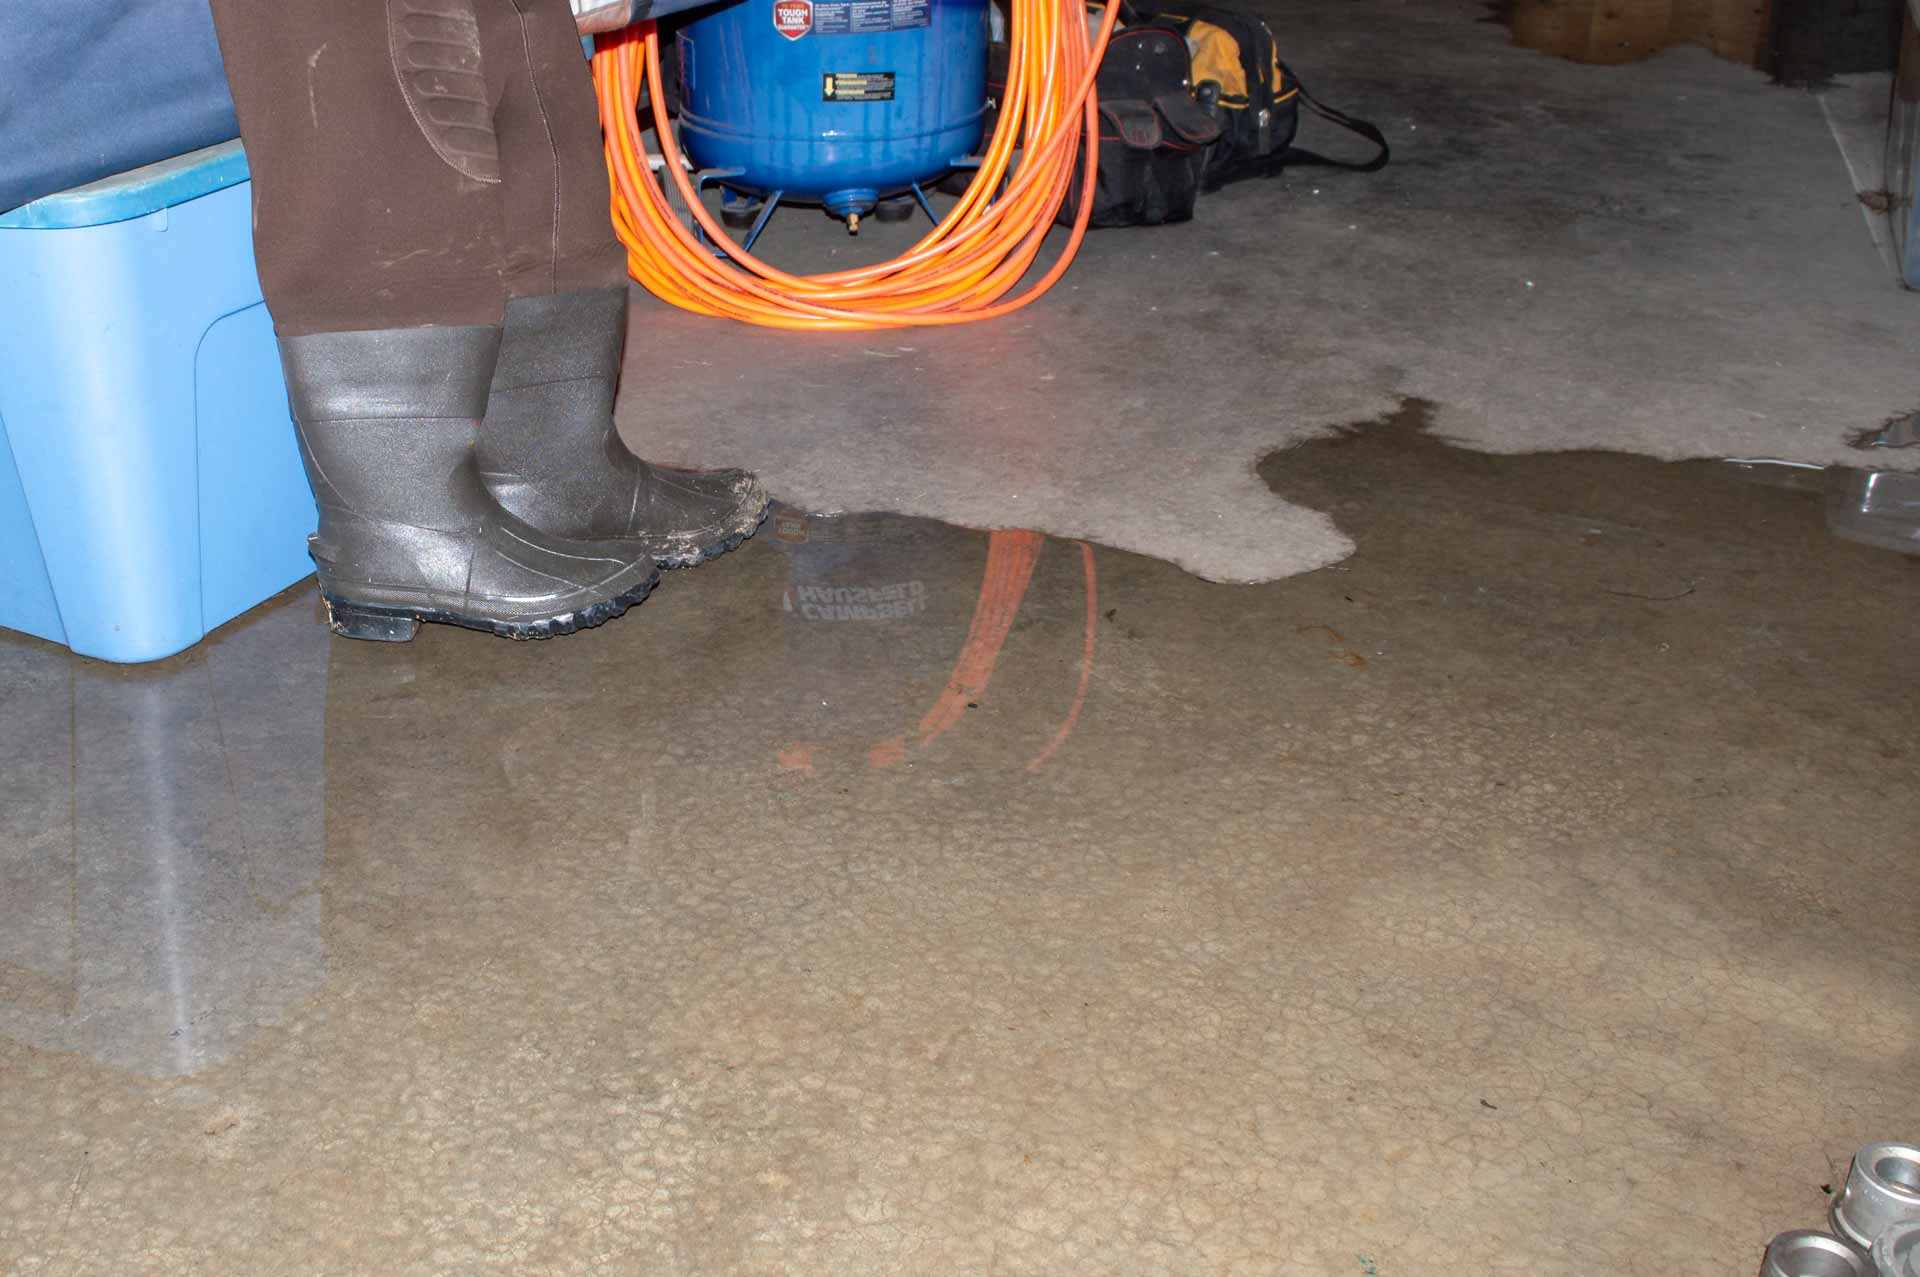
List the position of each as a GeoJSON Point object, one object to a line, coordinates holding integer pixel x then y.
{"type": "Point", "coordinates": [89, 88]}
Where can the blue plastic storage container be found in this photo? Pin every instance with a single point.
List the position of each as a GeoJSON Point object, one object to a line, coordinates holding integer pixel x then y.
{"type": "Point", "coordinates": [150, 485]}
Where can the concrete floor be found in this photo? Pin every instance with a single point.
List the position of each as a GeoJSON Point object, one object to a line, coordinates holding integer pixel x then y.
{"type": "Point", "coordinates": [1668, 258]}
{"type": "Point", "coordinates": [1532, 893]}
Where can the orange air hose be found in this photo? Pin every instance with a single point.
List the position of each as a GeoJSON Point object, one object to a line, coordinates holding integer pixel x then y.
{"type": "Point", "coordinates": [962, 270]}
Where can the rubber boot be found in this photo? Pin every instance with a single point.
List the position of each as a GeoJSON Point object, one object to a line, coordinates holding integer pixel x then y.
{"type": "Point", "coordinates": [549, 452]}
{"type": "Point", "coordinates": [408, 533]}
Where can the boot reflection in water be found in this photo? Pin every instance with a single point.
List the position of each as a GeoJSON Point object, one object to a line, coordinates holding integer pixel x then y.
{"type": "Point", "coordinates": [432, 237]}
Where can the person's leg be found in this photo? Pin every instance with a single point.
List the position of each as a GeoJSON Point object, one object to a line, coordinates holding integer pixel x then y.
{"type": "Point", "coordinates": [554, 200]}
{"type": "Point", "coordinates": [376, 176]}
{"type": "Point", "coordinates": [548, 448]}
{"type": "Point", "coordinates": [376, 187]}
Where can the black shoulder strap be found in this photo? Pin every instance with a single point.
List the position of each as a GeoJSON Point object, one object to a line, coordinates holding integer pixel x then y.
{"type": "Point", "coordinates": [1300, 155]}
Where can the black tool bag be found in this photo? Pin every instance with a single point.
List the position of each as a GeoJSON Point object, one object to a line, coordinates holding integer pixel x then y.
{"type": "Point", "coordinates": [1192, 96]}
{"type": "Point", "coordinates": [1240, 80]}
{"type": "Point", "coordinates": [1154, 137]}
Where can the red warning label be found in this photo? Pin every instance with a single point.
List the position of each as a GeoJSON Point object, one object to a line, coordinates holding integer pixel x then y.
{"type": "Point", "coordinates": [793, 18]}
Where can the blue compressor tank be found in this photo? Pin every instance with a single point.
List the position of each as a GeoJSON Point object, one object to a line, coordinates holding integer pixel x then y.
{"type": "Point", "coordinates": [834, 102]}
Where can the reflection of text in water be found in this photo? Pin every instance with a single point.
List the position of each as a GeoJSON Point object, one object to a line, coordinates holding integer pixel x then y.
{"type": "Point", "coordinates": [857, 603]}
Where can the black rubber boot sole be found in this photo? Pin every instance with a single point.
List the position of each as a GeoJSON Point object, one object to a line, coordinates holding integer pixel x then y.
{"type": "Point", "coordinates": [383, 623]}
{"type": "Point", "coordinates": [714, 549]}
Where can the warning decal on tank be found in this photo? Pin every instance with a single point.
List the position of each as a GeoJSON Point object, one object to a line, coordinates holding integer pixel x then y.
{"type": "Point", "coordinates": [870, 17]}
{"type": "Point", "coordinates": [857, 86]}
{"type": "Point", "coordinates": [793, 18]}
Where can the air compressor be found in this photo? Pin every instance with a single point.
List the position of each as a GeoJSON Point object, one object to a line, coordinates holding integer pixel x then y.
{"type": "Point", "coordinates": [840, 103]}
{"type": "Point", "coordinates": [972, 265]}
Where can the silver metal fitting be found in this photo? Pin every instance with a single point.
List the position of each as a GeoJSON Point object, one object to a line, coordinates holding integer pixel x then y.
{"type": "Point", "coordinates": [1805, 1253]}
{"type": "Point", "coordinates": [1896, 1253]}
{"type": "Point", "coordinates": [593, 16]}
{"type": "Point", "coordinates": [1883, 1189]}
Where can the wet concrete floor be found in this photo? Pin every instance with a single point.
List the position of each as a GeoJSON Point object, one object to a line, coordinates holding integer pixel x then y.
{"type": "Point", "coordinates": [1530, 893]}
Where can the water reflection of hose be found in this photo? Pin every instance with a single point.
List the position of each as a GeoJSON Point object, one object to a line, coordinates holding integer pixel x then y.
{"type": "Point", "coordinates": [1068, 723]}
{"type": "Point", "coordinates": [1010, 560]}
{"type": "Point", "coordinates": [1011, 557]}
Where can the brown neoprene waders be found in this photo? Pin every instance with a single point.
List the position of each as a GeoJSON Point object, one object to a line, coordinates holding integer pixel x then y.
{"type": "Point", "coordinates": [432, 234]}
{"type": "Point", "coordinates": [417, 162]}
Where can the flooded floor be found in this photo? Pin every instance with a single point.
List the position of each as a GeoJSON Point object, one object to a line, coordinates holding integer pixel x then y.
{"type": "Point", "coordinates": [1531, 893]}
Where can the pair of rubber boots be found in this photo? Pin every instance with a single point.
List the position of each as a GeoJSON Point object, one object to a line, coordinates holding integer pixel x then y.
{"type": "Point", "coordinates": [473, 476]}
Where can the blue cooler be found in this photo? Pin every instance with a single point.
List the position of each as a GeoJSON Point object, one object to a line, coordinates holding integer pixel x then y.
{"type": "Point", "coordinates": [150, 485]}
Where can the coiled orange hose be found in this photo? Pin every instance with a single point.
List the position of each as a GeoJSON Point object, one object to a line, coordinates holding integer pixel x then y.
{"type": "Point", "coordinates": [963, 269]}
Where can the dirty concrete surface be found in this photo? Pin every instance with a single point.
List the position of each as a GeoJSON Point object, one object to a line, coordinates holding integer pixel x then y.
{"type": "Point", "coordinates": [1522, 885]}
{"type": "Point", "coordinates": [1523, 895]}
{"type": "Point", "coordinates": [1668, 258]}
